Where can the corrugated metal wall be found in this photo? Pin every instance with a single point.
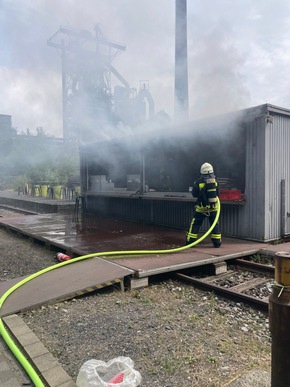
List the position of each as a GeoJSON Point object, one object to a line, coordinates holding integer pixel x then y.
{"type": "Point", "coordinates": [267, 164]}
{"type": "Point", "coordinates": [160, 212]}
{"type": "Point", "coordinates": [230, 219]}
{"type": "Point", "coordinates": [252, 217]}
{"type": "Point", "coordinates": [168, 213]}
{"type": "Point", "coordinates": [277, 169]}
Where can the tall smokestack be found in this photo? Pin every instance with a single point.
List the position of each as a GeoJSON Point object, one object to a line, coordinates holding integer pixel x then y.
{"type": "Point", "coordinates": [181, 67]}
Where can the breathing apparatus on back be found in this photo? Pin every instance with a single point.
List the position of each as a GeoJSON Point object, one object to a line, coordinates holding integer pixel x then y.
{"type": "Point", "coordinates": [210, 187]}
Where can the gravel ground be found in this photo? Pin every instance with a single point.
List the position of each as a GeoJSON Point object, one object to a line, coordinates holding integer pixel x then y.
{"type": "Point", "coordinates": [177, 336]}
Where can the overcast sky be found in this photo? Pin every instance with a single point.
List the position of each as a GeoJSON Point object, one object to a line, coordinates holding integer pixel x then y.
{"type": "Point", "coordinates": [238, 53]}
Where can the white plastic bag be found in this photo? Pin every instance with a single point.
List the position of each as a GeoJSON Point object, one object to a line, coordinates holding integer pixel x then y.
{"type": "Point", "coordinates": [118, 372]}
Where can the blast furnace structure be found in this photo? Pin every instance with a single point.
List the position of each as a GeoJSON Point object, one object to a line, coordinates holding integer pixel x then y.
{"type": "Point", "coordinates": [90, 98]}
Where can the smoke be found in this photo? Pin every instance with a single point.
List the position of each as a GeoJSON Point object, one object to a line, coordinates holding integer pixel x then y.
{"type": "Point", "coordinates": [238, 54]}
{"type": "Point", "coordinates": [217, 86]}
{"type": "Point", "coordinates": [32, 106]}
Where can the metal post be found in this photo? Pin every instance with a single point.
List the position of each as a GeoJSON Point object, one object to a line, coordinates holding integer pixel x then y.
{"type": "Point", "coordinates": [65, 131]}
{"type": "Point", "coordinates": [279, 318]}
{"type": "Point", "coordinates": [142, 173]}
{"type": "Point", "coordinates": [283, 208]}
{"type": "Point", "coordinates": [181, 65]}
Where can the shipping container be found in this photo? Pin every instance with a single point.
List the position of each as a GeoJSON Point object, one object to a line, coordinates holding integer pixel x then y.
{"type": "Point", "coordinates": [148, 176]}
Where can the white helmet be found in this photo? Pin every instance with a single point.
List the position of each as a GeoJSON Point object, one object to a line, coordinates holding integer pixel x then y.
{"type": "Point", "coordinates": [206, 168]}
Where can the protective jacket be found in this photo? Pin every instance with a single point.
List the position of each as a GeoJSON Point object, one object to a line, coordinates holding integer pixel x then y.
{"type": "Point", "coordinates": [205, 193]}
{"type": "Point", "coordinates": [205, 197]}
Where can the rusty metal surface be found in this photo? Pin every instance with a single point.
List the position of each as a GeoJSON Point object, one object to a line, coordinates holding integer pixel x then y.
{"type": "Point", "coordinates": [63, 283]}
{"type": "Point", "coordinates": [203, 253]}
{"type": "Point", "coordinates": [107, 234]}
{"type": "Point", "coordinates": [103, 234]}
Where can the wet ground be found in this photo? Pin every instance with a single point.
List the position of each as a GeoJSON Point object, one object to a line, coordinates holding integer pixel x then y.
{"type": "Point", "coordinates": [99, 233]}
{"type": "Point", "coordinates": [65, 228]}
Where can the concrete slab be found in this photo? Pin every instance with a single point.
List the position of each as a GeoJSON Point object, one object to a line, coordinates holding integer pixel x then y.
{"type": "Point", "coordinates": [35, 204]}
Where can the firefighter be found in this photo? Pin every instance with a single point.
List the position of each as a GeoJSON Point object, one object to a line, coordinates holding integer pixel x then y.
{"type": "Point", "coordinates": [205, 194]}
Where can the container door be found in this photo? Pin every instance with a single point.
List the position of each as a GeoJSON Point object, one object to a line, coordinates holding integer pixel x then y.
{"type": "Point", "coordinates": [285, 209]}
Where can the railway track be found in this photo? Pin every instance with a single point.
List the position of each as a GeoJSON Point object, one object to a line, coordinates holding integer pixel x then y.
{"type": "Point", "coordinates": [245, 280]}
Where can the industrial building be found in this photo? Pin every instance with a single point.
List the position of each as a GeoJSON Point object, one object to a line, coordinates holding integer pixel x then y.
{"type": "Point", "coordinates": [147, 178]}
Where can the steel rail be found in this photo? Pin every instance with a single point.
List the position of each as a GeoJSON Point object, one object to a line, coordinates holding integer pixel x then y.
{"type": "Point", "coordinates": [254, 266]}
{"type": "Point", "coordinates": [224, 291]}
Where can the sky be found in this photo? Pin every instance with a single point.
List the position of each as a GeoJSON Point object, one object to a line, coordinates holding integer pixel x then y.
{"type": "Point", "coordinates": [238, 54]}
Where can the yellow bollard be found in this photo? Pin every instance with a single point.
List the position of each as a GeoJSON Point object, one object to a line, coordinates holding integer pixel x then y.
{"type": "Point", "coordinates": [35, 191]}
{"type": "Point", "coordinates": [57, 191]}
{"type": "Point", "coordinates": [279, 318]}
{"type": "Point", "coordinates": [44, 190]}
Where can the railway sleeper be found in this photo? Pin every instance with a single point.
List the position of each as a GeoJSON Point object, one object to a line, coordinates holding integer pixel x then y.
{"type": "Point", "coordinates": [226, 292]}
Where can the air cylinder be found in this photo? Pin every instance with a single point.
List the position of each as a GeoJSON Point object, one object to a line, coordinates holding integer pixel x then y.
{"type": "Point", "coordinates": [279, 318]}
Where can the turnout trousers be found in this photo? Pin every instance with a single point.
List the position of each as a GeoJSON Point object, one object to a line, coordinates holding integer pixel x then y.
{"type": "Point", "coordinates": [196, 222]}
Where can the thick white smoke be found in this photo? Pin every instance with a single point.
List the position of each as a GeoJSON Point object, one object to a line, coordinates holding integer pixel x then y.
{"type": "Point", "coordinates": [237, 53]}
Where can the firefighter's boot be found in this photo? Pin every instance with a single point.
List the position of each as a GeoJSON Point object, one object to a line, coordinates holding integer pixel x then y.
{"type": "Point", "coordinates": [216, 243]}
{"type": "Point", "coordinates": [190, 238]}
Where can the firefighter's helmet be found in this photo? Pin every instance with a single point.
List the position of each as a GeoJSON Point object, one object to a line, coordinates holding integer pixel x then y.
{"type": "Point", "coordinates": [206, 169]}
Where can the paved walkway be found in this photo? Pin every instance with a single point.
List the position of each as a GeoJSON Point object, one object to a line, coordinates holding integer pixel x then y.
{"type": "Point", "coordinates": [7, 376]}
{"type": "Point", "coordinates": [10, 374]}
{"type": "Point", "coordinates": [52, 374]}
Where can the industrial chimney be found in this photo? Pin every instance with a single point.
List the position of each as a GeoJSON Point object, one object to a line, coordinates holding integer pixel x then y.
{"type": "Point", "coordinates": [181, 67]}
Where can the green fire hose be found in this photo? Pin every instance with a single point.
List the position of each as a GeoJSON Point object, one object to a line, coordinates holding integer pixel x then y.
{"type": "Point", "coordinates": [4, 333]}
